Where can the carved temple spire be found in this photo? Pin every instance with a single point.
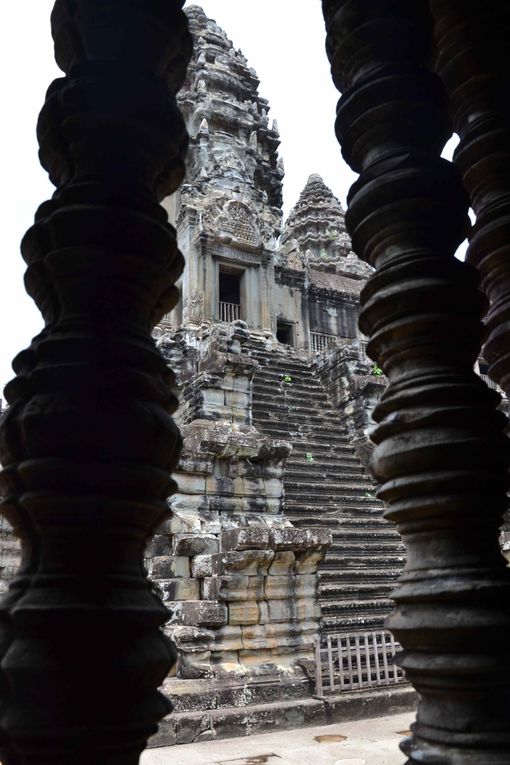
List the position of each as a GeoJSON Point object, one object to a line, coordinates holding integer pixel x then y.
{"type": "Point", "coordinates": [88, 441]}
{"type": "Point", "coordinates": [237, 157]}
{"type": "Point", "coordinates": [228, 213]}
{"type": "Point", "coordinates": [316, 229]}
{"type": "Point", "coordinates": [441, 457]}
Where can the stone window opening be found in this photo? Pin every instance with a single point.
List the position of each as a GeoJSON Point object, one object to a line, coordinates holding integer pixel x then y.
{"type": "Point", "coordinates": [229, 288]}
{"type": "Point", "coordinates": [285, 332]}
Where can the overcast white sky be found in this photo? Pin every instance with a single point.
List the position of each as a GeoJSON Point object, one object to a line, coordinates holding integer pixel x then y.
{"type": "Point", "coordinates": [284, 45]}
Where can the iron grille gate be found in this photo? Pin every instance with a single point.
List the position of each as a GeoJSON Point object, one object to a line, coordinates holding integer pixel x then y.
{"type": "Point", "coordinates": [356, 660]}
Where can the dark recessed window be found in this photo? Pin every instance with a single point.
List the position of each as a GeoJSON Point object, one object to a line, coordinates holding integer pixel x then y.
{"type": "Point", "coordinates": [285, 333]}
{"type": "Point", "coordinates": [230, 296]}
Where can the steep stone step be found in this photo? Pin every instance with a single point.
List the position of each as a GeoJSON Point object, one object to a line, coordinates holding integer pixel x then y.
{"type": "Point", "coordinates": [297, 374]}
{"type": "Point", "coordinates": [349, 607]}
{"type": "Point", "coordinates": [340, 560]}
{"type": "Point", "coordinates": [270, 364]}
{"type": "Point", "coordinates": [342, 623]}
{"type": "Point", "coordinates": [317, 474]}
{"type": "Point", "coordinates": [270, 411]}
{"type": "Point", "coordinates": [313, 394]}
{"type": "Point", "coordinates": [329, 448]}
{"type": "Point", "coordinates": [288, 387]}
{"type": "Point", "coordinates": [367, 575]}
{"type": "Point", "coordinates": [330, 506]}
{"type": "Point", "coordinates": [368, 545]}
{"type": "Point", "coordinates": [298, 387]}
{"type": "Point", "coordinates": [320, 452]}
{"type": "Point", "coordinates": [338, 591]}
{"type": "Point", "coordinates": [301, 520]}
{"type": "Point", "coordinates": [325, 431]}
{"type": "Point", "coordinates": [321, 437]}
{"type": "Point", "coordinates": [326, 486]}
{"type": "Point", "coordinates": [260, 715]}
{"type": "Point", "coordinates": [323, 458]}
{"type": "Point", "coordinates": [350, 522]}
{"type": "Point", "coordinates": [347, 533]}
{"type": "Point", "coordinates": [346, 489]}
{"type": "Point", "coordinates": [308, 433]}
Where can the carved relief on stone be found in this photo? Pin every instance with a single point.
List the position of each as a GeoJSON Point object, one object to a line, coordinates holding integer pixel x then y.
{"type": "Point", "coordinates": [196, 306]}
{"type": "Point", "coordinates": [238, 221]}
{"type": "Point", "coordinates": [233, 218]}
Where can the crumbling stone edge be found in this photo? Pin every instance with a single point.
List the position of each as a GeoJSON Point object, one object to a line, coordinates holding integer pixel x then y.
{"type": "Point", "coordinates": [195, 727]}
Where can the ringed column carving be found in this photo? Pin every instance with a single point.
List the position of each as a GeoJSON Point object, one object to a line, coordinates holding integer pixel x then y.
{"type": "Point", "coordinates": [88, 441]}
{"type": "Point", "coordinates": [440, 456]}
{"type": "Point", "coordinates": [472, 60]}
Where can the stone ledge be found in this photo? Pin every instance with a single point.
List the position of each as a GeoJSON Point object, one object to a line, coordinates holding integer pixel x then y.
{"type": "Point", "coordinates": [230, 722]}
{"type": "Point", "coordinates": [361, 705]}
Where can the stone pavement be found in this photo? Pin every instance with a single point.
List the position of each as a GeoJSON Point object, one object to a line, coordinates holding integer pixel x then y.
{"type": "Point", "coordinates": [360, 742]}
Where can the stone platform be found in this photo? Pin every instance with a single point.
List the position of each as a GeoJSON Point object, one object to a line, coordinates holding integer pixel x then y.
{"type": "Point", "coordinates": [223, 723]}
{"type": "Point", "coordinates": [361, 742]}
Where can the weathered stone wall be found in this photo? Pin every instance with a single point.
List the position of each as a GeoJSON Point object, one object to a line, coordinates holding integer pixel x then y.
{"type": "Point", "coordinates": [10, 554]}
{"type": "Point", "coordinates": [332, 314]}
{"type": "Point", "coordinates": [355, 384]}
{"type": "Point", "coordinates": [240, 580]}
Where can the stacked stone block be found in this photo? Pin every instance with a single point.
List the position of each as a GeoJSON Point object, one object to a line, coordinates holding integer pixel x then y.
{"type": "Point", "coordinates": [240, 581]}
{"type": "Point", "coordinates": [355, 385]}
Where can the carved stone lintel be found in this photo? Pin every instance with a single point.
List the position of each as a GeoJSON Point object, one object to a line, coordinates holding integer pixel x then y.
{"type": "Point", "coordinates": [441, 456]}
{"type": "Point", "coordinates": [88, 441]}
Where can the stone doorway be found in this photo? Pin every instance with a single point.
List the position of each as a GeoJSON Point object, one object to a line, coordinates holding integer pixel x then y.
{"type": "Point", "coordinates": [229, 290]}
{"type": "Point", "coordinates": [285, 333]}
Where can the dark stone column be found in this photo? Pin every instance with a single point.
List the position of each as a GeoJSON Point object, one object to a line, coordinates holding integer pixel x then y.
{"type": "Point", "coordinates": [440, 455]}
{"type": "Point", "coordinates": [472, 40]}
{"type": "Point", "coordinates": [88, 442]}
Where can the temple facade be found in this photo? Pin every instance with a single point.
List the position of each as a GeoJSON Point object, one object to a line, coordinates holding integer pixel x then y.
{"type": "Point", "coordinates": [271, 542]}
{"type": "Point", "coordinates": [301, 284]}
{"type": "Point", "coordinates": [275, 539]}
{"type": "Point", "coordinates": [275, 544]}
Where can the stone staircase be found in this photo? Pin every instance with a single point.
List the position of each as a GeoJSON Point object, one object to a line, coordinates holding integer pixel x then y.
{"type": "Point", "coordinates": [326, 485]}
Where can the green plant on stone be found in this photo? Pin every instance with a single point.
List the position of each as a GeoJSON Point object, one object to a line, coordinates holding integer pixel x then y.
{"type": "Point", "coordinates": [309, 457]}
{"type": "Point", "coordinates": [287, 378]}
{"type": "Point", "coordinates": [377, 371]}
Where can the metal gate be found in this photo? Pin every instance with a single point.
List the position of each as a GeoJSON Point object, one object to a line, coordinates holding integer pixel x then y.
{"type": "Point", "coordinates": [356, 660]}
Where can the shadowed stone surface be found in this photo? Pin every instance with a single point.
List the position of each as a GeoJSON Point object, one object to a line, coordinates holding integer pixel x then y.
{"type": "Point", "coordinates": [441, 457]}
{"type": "Point", "coordinates": [88, 442]}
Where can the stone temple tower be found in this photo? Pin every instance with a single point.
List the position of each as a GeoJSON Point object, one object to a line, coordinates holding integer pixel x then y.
{"type": "Point", "coordinates": [274, 542]}
{"type": "Point", "coordinates": [300, 283]}
{"type": "Point", "coordinates": [228, 211]}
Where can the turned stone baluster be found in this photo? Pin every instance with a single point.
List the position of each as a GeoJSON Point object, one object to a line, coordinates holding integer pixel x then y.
{"type": "Point", "coordinates": [472, 41]}
{"type": "Point", "coordinates": [441, 456]}
{"type": "Point", "coordinates": [88, 442]}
